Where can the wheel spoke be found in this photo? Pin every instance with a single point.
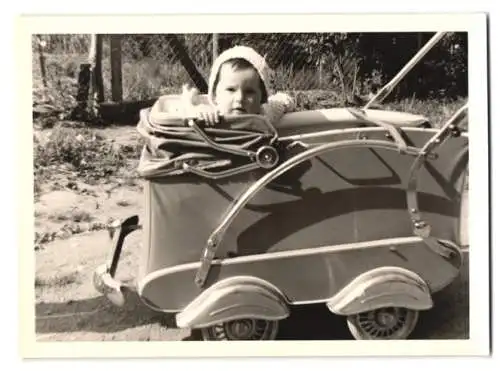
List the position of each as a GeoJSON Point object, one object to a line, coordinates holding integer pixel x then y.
{"type": "Point", "coordinates": [365, 322]}
{"type": "Point", "coordinates": [385, 323]}
{"type": "Point", "coordinates": [245, 329]}
{"type": "Point", "coordinates": [371, 327]}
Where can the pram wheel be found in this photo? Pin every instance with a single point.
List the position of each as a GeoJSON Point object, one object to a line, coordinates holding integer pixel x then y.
{"type": "Point", "coordinates": [242, 329]}
{"type": "Point", "coordinates": [391, 323]}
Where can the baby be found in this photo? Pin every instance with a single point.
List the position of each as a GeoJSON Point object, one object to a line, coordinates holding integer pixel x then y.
{"type": "Point", "coordinates": [238, 84]}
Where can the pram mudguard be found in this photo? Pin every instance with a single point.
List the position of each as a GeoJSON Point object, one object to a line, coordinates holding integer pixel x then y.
{"type": "Point", "coordinates": [312, 230]}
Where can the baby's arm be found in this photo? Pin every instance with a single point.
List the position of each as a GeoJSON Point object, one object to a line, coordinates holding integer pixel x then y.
{"type": "Point", "coordinates": [193, 107]}
{"type": "Point", "coordinates": [277, 105]}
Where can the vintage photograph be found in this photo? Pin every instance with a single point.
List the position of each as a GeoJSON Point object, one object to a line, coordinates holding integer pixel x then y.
{"type": "Point", "coordinates": [256, 186]}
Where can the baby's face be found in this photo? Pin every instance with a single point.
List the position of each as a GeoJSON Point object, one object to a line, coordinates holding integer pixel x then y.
{"type": "Point", "coordinates": [238, 91]}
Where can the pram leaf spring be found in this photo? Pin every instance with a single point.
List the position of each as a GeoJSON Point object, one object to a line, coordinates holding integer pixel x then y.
{"type": "Point", "coordinates": [420, 227]}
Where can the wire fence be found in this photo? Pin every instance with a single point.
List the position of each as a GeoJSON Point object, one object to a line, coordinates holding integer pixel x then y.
{"type": "Point", "coordinates": [297, 60]}
{"type": "Point", "coordinates": [158, 64]}
{"type": "Point", "coordinates": [135, 67]}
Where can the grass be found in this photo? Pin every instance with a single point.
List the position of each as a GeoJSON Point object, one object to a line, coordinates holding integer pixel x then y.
{"type": "Point", "coordinates": [438, 111]}
{"type": "Point", "coordinates": [80, 151]}
{"type": "Point", "coordinates": [74, 215]}
{"type": "Point", "coordinates": [58, 281]}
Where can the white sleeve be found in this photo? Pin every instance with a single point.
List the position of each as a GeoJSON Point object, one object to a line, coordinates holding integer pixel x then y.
{"type": "Point", "coordinates": [277, 105]}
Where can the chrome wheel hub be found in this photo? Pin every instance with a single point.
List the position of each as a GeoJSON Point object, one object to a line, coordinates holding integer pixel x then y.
{"type": "Point", "coordinates": [383, 323]}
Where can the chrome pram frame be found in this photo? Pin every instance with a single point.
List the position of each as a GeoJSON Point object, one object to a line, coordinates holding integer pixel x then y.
{"type": "Point", "coordinates": [421, 228]}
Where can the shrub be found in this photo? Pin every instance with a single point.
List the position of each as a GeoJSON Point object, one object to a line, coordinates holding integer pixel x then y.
{"type": "Point", "coordinates": [82, 151]}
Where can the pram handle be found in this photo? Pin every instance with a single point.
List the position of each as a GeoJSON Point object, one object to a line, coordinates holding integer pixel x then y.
{"type": "Point", "coordinates": [387, 89]}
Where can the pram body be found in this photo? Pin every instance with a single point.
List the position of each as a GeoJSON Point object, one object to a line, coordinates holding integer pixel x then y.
{"type": "Point", "coordinates": [359, 210]}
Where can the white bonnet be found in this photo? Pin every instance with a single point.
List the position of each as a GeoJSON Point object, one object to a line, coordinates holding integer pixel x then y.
{"type": "Point", "coordinates": [249, 55]}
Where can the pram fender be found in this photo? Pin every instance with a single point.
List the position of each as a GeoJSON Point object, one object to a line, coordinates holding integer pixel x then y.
{"type": "Point", "coordinates": [382, 287]}
{"type": "Point", "coordinates": [234, 298]}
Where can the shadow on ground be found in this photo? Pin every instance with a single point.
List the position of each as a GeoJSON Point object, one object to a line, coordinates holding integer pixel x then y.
{"type": "Point", "coordinates": [448, 319]}
{"type": "Point", "coordinates": [96, 315]}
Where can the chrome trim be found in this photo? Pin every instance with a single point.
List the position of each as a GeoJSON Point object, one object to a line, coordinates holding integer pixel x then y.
{"type": "Point", "coordinates": [394, 132]}
{"type": "Point", "coordinates": [314, 250]}
{"type": "Point", "coordinates": [220, 174]}
{"type": "Point", "coordinates": [227, 148]}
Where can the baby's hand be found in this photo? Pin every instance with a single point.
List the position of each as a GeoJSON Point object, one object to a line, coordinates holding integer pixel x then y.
{"type": "Point", "coordinates": [209, 114]}
{"type": "Point", "coordinates": [193, 107]}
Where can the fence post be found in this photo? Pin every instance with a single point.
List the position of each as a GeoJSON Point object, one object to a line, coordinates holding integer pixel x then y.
{"type": "Point", "coordinates": [93, 76]}
{"type": "Point", "coordinates": [116, 68]}
{"type": "Point", "coordinates": [320, 72]}
{"type": "Point", "coordinates": [41, 44]}
{"type": "Point", "coordinates": [84, 82]}
{"type": "Point", "coordinates": [419, 41]}
{"type": "Point", "coordinates": [97, 81]}
{"type": "Point", "coordinates": [215, 46]}
{"type": "Point", "coordinates": [90, 77]}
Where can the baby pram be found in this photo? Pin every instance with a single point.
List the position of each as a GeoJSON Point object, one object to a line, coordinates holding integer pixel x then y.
{"type": "Point", "coordinates": [358, 209]}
